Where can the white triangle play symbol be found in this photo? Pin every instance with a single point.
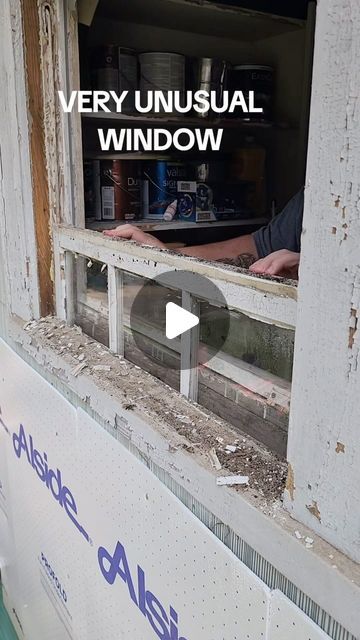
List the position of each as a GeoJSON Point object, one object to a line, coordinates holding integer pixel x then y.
{"type": "Point", "coordinates": [178, 320]}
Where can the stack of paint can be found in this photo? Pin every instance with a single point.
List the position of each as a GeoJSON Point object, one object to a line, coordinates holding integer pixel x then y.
{"type": "Point", "coordinates": [112, 189]}
{"type": "Point", "coordinates": [162, 72]}
{"type": "Point", "coordinates": [92, 190]}
{"type": "Point", "coordinates": [105, 64]}
{"type": "Point", "coordinates": [128, 77]}
{"type": "Point", "coordinates": [208, 74]}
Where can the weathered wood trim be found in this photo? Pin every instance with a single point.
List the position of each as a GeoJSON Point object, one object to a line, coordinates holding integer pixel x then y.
{"type": "Point", "coordinates": [116, 310]}
{"type": "Point", "coordinates": [189, 374]}
{"type": "Point", "coordinates": [16, 208]}
{"type": "Point", "coordinates": [269, 301]}
{"type": "Point", "coordinates": [324, 450]}
{"type": "Point", "coordinates": [31, 25]}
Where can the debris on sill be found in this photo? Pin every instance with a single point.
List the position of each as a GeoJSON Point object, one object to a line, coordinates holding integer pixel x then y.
{"type": "Point", "coordinates": [215, 460]}
{"type": "Point", "coordinates": [78, 369]}
{"type": "Point", "coordinates": [232, 480]}
{"type": "Point", "coordinates": [212, 440]}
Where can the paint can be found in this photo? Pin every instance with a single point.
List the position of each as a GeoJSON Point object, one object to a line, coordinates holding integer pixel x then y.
{"type": "Point", "coordinates": [209, 74]}
{"type": "Point", "coordinates": [120, 190]}
{"type": "Point", "coordinates": [105, 64]}
{"type": "Point", "coordinates": [160, 178]}
{"type": "Point", "coordinates": [249, 166]}
{"type": "Point", "coordinates": [162, 72]}
{"type": "Point", "coordinates": [128, 78]}
{"type": "Point", "coordinates": [210, 172]}
{"type": "Point", "coordinates": [257, 78]}
{"type": "Point", "coordinates": [92, 195]}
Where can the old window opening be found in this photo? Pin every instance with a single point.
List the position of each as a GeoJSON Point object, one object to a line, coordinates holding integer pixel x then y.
{"type": "Point", "coordinates": [249, 381]}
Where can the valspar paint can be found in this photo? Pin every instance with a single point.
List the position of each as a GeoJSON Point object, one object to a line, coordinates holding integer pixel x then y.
{"type": "Point", "coordinates": [105, 65]}
{"type": "Point", "coordinates": [160, 178]}
{"type": "Point", "coordinates": [120, 190]}
{"type": "Point", "coordinates": [128, 78]}
{"type": "Point", "coordinates": [260, 80]}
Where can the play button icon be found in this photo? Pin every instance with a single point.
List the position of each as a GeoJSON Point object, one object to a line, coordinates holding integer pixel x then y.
{"type": "Point", "coordinates": [178, 320]}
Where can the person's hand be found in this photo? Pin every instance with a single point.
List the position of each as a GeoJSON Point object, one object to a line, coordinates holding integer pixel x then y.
{"type": "Point", "coordinates": [129, 232]}
{"type": "Point", "coordinates": [280, 263]}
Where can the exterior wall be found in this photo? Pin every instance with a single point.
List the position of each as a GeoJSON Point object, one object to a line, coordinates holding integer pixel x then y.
{"type": "Point", "coordinates": [106, 550]}
{"type": "Point", "coordinates": [324, 451]}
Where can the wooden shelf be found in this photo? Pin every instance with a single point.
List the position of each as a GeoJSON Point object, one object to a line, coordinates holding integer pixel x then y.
{"type": "Point", "coordinates": [149, 224]}
{"type": "Point", "coordinates": [169, 120]}
{"type": "Point", "coordinates": [206, 17]}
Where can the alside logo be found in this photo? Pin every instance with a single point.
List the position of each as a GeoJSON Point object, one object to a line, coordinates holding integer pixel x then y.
{"type": "Point", "coordinates": [164, 625]}
{"type": "Point", "coordinates": [53, 577]}
{"type": "Point", "coordinates": [51, 479]}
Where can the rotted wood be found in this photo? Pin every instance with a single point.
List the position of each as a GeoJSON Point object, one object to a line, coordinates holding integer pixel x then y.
{"type": "Point", "coordinates": [40, 188]}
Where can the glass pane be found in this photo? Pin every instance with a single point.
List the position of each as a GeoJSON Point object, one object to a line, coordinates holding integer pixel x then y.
{"type": "Point", "coordinates": [144, 324]}
{"type": "Point", "coordinates": [92, 308]}
{"type": "Point", "coordinates": [248, 382]}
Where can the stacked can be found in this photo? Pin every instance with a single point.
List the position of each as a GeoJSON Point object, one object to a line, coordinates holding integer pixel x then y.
{"type": "Point", "coordinates": [162, 72]}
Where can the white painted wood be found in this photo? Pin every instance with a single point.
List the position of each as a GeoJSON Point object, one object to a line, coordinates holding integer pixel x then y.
{"type": "Point", "coordinates": [266, 300]}
{"type": "Point", "coordinates": [274, 390]}
{"type": "Point", "coordinates": [324, 450]}
{"type": "Point", "coordinates": [70, 287]}
{"type": "Point", "coordinates": [116, 310]}
{"type": "Point", "coordinates": [60, 69]}
{"type": "Point", "coordinates": [59, 279]}
{"type": "Point", "coordinates": [70, 64]}
{"type": "Point", "coordinates": [16, 208]}
{"type": "Point", "coordinates": [189, 378]}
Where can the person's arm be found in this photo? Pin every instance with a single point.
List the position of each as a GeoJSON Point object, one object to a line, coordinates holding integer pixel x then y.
{"type": "Point", "coordinates": [214, 251]}
{"type": "Point", "coordinates": [279, 263]}
{"type": "Point", "coordinates": [225, 249]}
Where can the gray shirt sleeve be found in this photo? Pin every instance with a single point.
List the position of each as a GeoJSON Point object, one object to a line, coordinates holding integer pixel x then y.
{"type": "Point", "coordinates": [284, 231]}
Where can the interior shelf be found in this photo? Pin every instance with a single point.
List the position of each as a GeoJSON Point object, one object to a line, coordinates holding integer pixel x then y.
{"type": "Point", "coordinates": [147, 224]}
{"type": "Point", "coordinates": [204, 17]}
{"type": "Point", "coordinates": [231, 123]}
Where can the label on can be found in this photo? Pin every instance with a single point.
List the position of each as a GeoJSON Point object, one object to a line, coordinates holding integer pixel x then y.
{"type": "Point", "coordinates": [108, 203]}
{"type": "Point", "coordinates": [161, 178]}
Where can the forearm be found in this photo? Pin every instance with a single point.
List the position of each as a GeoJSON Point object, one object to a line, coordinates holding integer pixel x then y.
{"type": "Point", "coordinates": [226, 249]}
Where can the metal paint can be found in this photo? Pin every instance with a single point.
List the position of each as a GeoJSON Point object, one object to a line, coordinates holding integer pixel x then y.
{"type": "Point", "coordinates": [120, 190]}
{"type": "Point", "coordinates": [210, 172]}
{"type": "Point", "coordinates": [162, 72]}
{"type": "Point", "coordinates": [105, 63]}
{"type": "Point", "coordinates": [209, 74]}
{"type": "Point", "coordinates": [160, 178]}
{"type": "Point", "coordinates": [257, 78]}
{"type": "Point", "coordinates": [128, 78]}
